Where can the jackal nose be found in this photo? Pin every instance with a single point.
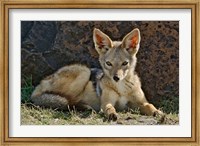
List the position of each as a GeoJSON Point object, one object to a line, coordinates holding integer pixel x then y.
{"type": "Point", "coordinates": [116, 78]}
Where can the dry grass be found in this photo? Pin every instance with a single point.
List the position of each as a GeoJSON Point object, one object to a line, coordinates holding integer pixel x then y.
{"type": "Point", "coordinates": [34, 115]}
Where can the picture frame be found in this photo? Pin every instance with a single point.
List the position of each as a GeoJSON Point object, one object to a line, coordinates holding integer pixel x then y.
{"type": "Point", "coordinates": [6, 5]}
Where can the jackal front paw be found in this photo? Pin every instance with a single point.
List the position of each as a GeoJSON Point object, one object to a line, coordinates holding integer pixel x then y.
{"type": "Point", "coordinates": [160, 116]}
{"type": "Point", "coordinates": [111, 113]}
{"type": "Point", "coordinates": [158, 113]}
{"type": "Point", "coordinates": [112, 117]}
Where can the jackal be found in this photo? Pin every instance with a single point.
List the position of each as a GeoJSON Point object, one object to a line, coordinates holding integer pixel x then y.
{"type": "Point", "coordinates": [114, 88]}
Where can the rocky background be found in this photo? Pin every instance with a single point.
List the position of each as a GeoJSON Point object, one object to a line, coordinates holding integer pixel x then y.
{"type": "Point", "coordinates": [49, 45]}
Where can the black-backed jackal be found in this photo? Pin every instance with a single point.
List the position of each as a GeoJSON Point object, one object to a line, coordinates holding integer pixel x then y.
{"type": "Point", "coordinates": [115, 88]}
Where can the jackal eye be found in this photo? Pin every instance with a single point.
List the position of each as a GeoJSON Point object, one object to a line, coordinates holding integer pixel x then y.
{"type": "Point", "coordinates": [108, 63]}
{"type": "Point", "coordinates": [124, 63]}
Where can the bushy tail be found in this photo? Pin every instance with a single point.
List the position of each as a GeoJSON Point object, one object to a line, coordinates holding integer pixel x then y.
{"type": "Point", "coordinates": [51, 101]}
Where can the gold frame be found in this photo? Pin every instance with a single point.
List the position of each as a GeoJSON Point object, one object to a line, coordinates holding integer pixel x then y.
{"type": "Point", "coordinates": [179, 4]}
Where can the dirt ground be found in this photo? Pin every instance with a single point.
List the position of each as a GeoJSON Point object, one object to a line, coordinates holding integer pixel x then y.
{"type": "Point", "coordinates": [33, 115]}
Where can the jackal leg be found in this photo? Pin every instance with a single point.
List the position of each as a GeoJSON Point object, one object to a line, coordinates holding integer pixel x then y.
{"type": "Point", "coordinates": [146, 108]}
{"type": "Point", "coordinates": [108, 101]}
{"type": "Point", "coordinates": [149, 109]}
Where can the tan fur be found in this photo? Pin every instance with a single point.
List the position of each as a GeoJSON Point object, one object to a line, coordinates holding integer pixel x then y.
{"type": "Point", "coordinates": [70, 83]}
{"type": "Point", "coordinates": [121, 87]}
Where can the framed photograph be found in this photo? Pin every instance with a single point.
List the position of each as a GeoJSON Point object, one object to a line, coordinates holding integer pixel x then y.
{"type": "Point", "coordinates": [105, 72]}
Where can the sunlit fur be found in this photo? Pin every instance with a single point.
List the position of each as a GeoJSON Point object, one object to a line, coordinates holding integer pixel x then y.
{"type": "Point", "coordinates": [119, 87]}
{"type": "Point", "coordinates": [68, 87]}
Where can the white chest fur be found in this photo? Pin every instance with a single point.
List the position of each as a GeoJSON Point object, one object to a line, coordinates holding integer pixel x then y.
{"type": "Point", "coordinates": [122, 102]}
{"type": "Point", "coordinates": [123, 88]}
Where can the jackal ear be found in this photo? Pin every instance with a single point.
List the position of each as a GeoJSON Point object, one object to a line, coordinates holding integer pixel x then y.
{"type": "Point", "coordinates": [101, 41]}
{"type": "Point", "coordinates": [131, 42]}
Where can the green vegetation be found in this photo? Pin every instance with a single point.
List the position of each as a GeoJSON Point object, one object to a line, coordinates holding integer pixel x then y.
{"type": "Point", "coordinates": [35, 115]}
{"type": "Point", "coordinates": [27, 89]}
{"type": "Point", "coordinates": [170, 105]}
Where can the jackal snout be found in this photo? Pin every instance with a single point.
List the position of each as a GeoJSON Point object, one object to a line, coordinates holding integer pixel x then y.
{"type": "Point", "coordinates": [116, 78]}
{"type": "Point", "coordinates": [119, 74]}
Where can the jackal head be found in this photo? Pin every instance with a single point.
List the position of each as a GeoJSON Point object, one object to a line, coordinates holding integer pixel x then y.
{"type": "Point", "coordinates": [117, 58]}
